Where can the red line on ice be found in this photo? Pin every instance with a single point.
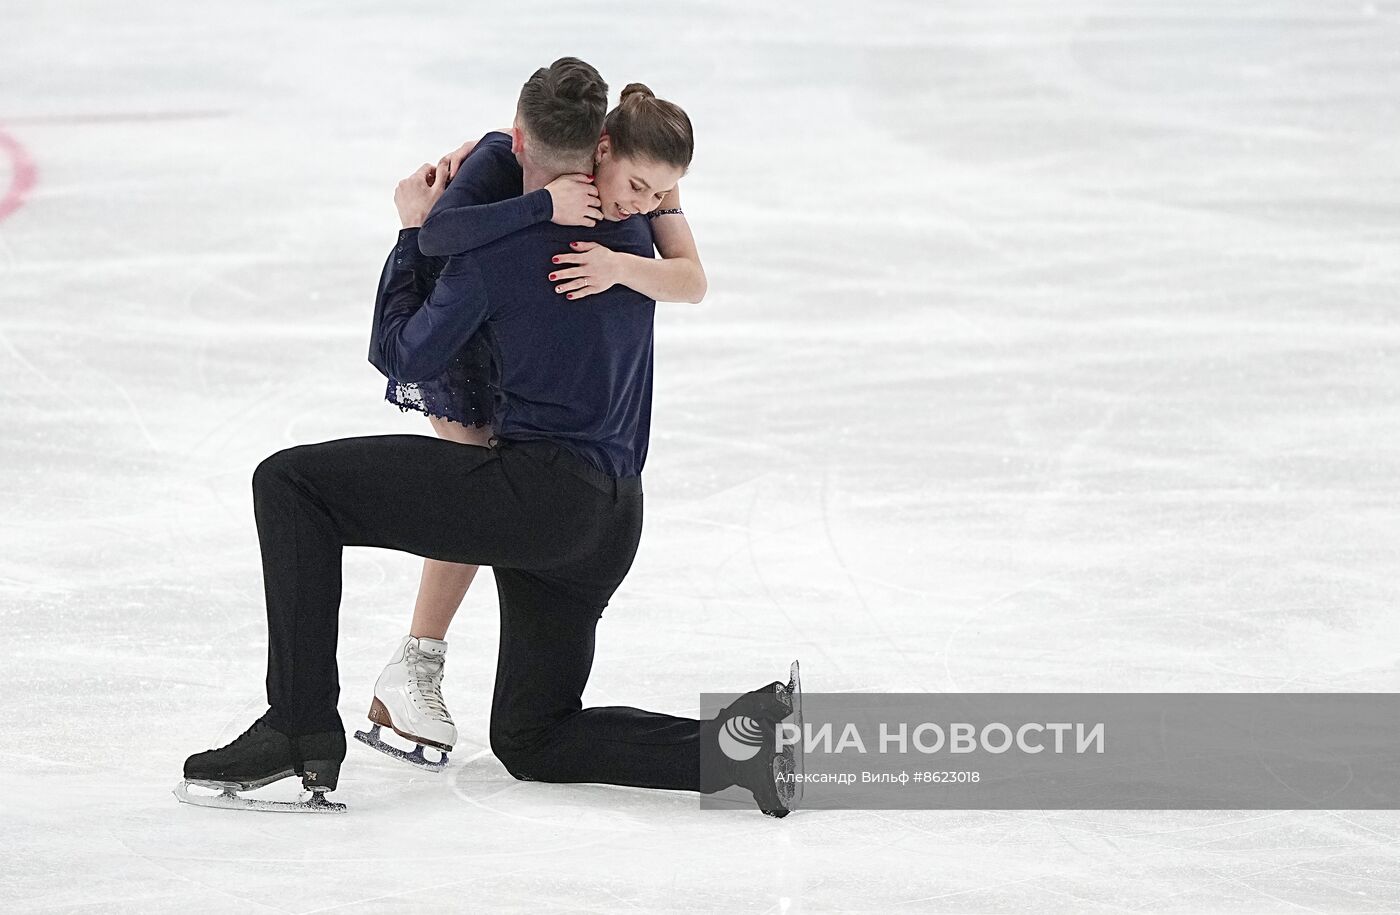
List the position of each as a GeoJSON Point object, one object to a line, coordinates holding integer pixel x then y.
{"type": "Point", "coordinates": [23, 174]}
{"type": "Point", "coordinates": [103, 117]}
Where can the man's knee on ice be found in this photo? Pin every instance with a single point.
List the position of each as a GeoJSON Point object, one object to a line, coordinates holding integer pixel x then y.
{"type": "Point", "coordinates": [525, 765]}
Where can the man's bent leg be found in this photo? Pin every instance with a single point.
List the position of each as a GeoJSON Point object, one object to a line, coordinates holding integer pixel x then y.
{"type": "Point", "coordinates": [301, 553]}
{"type": "Point", "coordinates": [410, 493]}
{"type": "Point", "coordinates": [539, 729]}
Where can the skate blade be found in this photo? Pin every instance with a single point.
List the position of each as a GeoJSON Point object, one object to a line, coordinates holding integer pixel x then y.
{"type": "Point", "coordinates": [786, 768]}
{"type": "Point", "coordinates": [413, 758]}
{"type": "Point", "coordinates": [791, 792]}
{"type": "Point", "coordinates": [229, 799]}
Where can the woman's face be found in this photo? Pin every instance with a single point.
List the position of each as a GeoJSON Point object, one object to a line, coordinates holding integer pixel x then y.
{"type": "Point", "coordinates": [630, 187]}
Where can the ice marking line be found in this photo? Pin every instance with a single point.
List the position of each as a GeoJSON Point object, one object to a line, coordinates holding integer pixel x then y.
{"type": "Point", "coordinates": [1337, 815]}
{"type": "Point", "coordinates": [824, 500]}
{"type": "Point", "coordinates": [419, 889]}
{"type": "Point", "coordinates": [1155, 903]}
{"type": "Point", "coordinates": [43, 760]}
{"type": "Point", "coordinates": [135, 414]}
{"type": "Point", "coordinates": [115, 116]}
{"type": "Point", "coordinates": [23, 175]}
{"type": "Point", "coordinates": [750, 545]}
{"type": "Point", "coordinates": [6, 343]}
{"type": "Point", "coordinates": [157, 861]}
{"type": "Point", "coordinates": [513, 786]}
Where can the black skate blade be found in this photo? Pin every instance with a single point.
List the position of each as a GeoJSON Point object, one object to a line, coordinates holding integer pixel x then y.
{"type": "Point", "coordinates": [413, 757]}
{"type": "Point", "coordinates": [782, 794]}
{"type": "Point", "coordinates": [786, 768]}
{"type": "Point", "coordinates": [228, 798]}
{"type": "Point", "coordinates": [791, 792]}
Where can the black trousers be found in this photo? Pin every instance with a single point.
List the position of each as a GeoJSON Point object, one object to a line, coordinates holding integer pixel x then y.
{"type": "Point", "coordinates": [560, 537]}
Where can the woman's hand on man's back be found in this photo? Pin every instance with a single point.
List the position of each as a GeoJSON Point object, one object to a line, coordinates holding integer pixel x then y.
{"type": "Point", "coordinates": [415, 195]}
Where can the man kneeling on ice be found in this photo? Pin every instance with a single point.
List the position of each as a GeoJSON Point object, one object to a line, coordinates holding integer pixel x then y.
{"type": "Point", "coordinates": [555, 508]}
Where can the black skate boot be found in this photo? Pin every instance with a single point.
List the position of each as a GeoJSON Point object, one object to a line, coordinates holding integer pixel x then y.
{"type": "Point", "coordinates": [261, 756]}
{"type": "Point", "coordinates": [747, 734]}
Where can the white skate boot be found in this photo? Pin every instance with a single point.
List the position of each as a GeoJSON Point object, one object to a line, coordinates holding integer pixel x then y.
{"type": "Point", "coordinates": [408, 701]}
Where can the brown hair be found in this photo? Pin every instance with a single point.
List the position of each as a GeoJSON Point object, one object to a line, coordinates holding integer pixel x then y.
{"type": "Point", "coordinates": [561, 108]}
{"type": "Point", "coordinates": [643, 126]}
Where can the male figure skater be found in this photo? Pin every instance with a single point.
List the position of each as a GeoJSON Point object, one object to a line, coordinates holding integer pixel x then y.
{"type": "Point", "coordinates": [555, 509]}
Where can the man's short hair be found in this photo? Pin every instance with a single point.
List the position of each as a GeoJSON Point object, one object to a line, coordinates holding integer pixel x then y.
{"type": "Point", "coordinates": [561, 110]}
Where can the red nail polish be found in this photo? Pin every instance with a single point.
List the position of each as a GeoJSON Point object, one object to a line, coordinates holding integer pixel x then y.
{"type": "Point", "coordinates": [551, 276]}
{"type": "Point", "coordinates": [571, 295]}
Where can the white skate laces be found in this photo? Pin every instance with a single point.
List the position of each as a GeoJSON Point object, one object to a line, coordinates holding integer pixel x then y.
{"type": "Point", "coordinates": [425, 670]}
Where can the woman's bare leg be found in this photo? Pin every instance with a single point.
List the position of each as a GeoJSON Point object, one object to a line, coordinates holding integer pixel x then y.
{"type": "Point", "coordinates": [445, 584]}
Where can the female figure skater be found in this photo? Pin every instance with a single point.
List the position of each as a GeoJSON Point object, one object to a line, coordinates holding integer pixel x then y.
{"type": "Point", "coordinates": [646, 146]}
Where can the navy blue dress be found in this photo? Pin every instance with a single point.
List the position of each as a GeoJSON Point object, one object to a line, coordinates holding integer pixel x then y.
{"type": "Point", "coordinates": [483, 203]}
{"type": "Point", "coordinates": [462, 393]}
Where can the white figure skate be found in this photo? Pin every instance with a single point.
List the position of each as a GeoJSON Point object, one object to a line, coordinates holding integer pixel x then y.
{"type": "Point", "coordinates": [408, 701]}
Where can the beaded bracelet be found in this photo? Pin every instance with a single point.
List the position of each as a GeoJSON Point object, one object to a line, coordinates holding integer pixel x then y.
{"type": "Point", "coordinates": [674, 211]}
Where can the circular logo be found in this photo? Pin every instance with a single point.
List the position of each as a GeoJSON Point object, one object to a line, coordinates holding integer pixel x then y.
{"type": "Point", "coordinates": [740, 738]}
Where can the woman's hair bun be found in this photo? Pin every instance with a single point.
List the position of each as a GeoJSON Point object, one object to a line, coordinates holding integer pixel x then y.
{"type": "Point", "coordinates": [643, 126]}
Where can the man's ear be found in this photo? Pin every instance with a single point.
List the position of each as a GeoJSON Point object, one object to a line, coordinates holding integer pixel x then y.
{"type": "Point", "coordinates": [604, 148]}
{"type": "Point", "coordinates": [517, 139]}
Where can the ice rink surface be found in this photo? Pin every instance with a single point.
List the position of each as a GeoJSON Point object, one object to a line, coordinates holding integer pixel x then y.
{"type": "Point", "coordinates": [1049, 347]}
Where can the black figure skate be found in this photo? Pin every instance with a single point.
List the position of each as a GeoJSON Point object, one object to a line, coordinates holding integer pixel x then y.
{"type": "Point", "coordinates": [747, 732]}
{"type": "Point", "coordinates": [261, 756]}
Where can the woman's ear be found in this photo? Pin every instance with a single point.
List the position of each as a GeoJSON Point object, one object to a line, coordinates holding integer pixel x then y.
{"type": "Point", "coordinates": [604, 148]}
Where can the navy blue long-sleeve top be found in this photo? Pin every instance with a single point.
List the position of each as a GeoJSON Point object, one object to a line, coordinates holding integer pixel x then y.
{"type": "Point", "coordinates": [578, 373]}
{"type": "Point", "coordinates": [482, 203]}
